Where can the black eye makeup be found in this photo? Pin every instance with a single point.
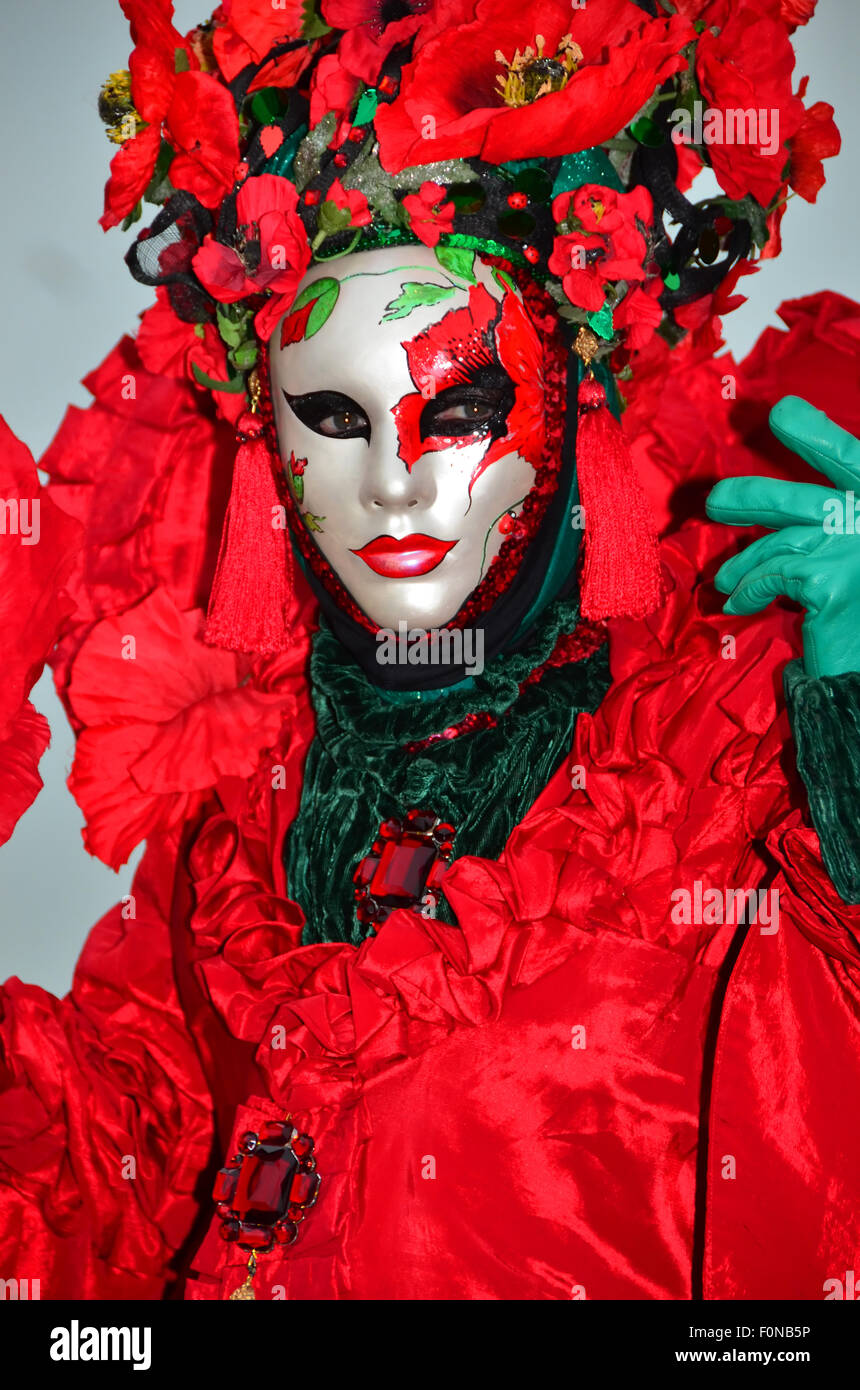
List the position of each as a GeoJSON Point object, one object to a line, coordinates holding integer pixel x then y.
{"type": "Point", "coordinates": [480, 405]}
{"type": "Point", "coordinates": [331, 414]}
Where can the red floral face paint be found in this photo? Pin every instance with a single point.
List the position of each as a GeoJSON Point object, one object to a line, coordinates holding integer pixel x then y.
{"type": "Point", "coordinates": [484, 359]}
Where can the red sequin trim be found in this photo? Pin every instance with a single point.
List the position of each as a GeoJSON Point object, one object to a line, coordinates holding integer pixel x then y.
{"type": "Point", "coordinates": [571, 646]}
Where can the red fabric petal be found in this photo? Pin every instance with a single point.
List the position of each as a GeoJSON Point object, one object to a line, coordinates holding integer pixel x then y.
{"type": "Point", "coordinates": [165, 717]}
{"type": "Point", "coordinates": [130, 172]}
{"type": "Point", "coordinates": [152, 81]}
{"type": "Point", "coordinates": [203, 126]}
{"type": "Point", "coordinates": [452, 79]}
{"type": "Point", "coordinates": [22, 743]}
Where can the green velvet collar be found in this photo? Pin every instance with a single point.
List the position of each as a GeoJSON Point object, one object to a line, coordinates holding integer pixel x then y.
{"type": "Point", "coordinates": [358, 772]}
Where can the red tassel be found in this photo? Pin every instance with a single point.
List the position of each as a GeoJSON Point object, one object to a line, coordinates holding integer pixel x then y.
{"type": "Point", "coordinates": [253, 579]}
{"type": "Point", "coordinates": [621, 576]}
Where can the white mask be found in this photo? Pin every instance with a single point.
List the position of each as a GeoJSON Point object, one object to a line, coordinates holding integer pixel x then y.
{"type": "Point", "coordinates": [403, 476]}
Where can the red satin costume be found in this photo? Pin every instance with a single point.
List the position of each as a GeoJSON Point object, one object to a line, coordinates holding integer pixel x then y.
{"type": "Point", "coordinates": [567, 1095]}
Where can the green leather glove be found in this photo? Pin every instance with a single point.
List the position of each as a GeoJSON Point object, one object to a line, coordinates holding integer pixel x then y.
{"type": "Point", "coordinates": [813, 555]}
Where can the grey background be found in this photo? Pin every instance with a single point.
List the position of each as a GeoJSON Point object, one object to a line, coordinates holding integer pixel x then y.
{"type": "Point", "coordinates": [67, 297]}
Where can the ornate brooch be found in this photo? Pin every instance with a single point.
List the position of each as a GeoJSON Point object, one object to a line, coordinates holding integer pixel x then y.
{"type": "Point", "coordinates": [266, 1191]}
{"type": "Point", "coordinates": [405, 867]}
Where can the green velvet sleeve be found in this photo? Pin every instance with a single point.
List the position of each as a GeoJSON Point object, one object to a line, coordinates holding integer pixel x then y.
{"type": "Point", "coordinates": [825, 721]}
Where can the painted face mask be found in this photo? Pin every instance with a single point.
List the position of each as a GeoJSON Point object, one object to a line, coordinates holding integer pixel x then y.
{"type": "Point", "coordinates": [409, 400]}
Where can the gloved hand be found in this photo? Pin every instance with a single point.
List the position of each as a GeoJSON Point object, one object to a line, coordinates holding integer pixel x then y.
{"type": "Point", "coordinates": [813, 555]}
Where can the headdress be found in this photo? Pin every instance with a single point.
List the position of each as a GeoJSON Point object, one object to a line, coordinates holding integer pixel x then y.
{"type": "Point", "coordinates": [551, 138]}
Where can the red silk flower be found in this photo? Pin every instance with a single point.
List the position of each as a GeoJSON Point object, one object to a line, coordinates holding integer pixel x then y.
{"type": "Point", "coordinates": [350, 200]}
{"type": "Point", "coordinates": [611, 224]}
{"type": "Point", "coordinates": [249, 30]}
{"type": "Point", "coordinates": [450, 106]}
{"type": "Point", "coordinates": [747, 67]}
{"type": "Point", "coordinates": [370, 34]}
{"type": "Point", "coordinates": [170, 347]}
{"type": "Point", "coordinates": [164, 718]}
{"type": "Point", "coordinates": [429, 215]}
{"type": "Point", "coordinates": [266, 215]}
{"type": "Point", "coordinates": [195, 109]}
{"type": "Point", "coordinates": [715, 13]}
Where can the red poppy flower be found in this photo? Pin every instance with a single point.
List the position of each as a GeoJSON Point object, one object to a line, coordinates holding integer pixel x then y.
{"type": "Point", "coordinates": [249, 30]}
{"type": "Point", "coordinates": [152, 70]}
{"type": "Point", "coordinates": [333, 89]}
{"type": "Point", "coordinates": [639, 314]}
{"type": "Point", "coordinates": [350, 200]}
{"type": "Point", "coordinates": [428, 215]}
{"type": "Point", "coordinates": [274, 251]}
{"type": "Point", "coordinates": [745, 68]}
{"type": "Point", "coordinates": [703, 317]}
{"type": "Point", "coordinates": [482, 332]}
{"type": "Point", "coordinates": [451, 106]}
{"type": "Point", "coordinates": [202, 126]}
{"type": "Point", "coordinates": [163, 720]}
{"type": "Point", "coordinates": [170, 347]}
{"type": "Point", "coordinates": [715, 13]}
{"type": "Point", "coordinates": [369, 33]}
{"type": "Point", "coordinates": [195, 109]}
{"type": "Point", "coordinates": [817, 139]}
{"type": "Point", "coordinates": [611, 224]}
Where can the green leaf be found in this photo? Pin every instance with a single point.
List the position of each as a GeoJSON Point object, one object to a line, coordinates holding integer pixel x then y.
{"type": "Point", "coordinates": [325, 291]}
{"type": "Point", "coordinates": [413, 295]}
{"type": "Point", "coordinates": [312, 522]}
{"type": "Point", "coordinates": [459, 260]}
{"type": "Point", "coordinates": [333, 219]}
{"type": "Point", "coordinates": [647, 132]}
{"type": "Point", "coordinates": [672, 280]}
{"type": "Point", "coordinates": [231, 326]}
{"type": "Point", "coordinates": [312, 26]}
{"type": "Point", "coordinates": [233, 386]}
{"type": "Point", "coordinates": [159, 188]}
{"type": "Point", "coordinates": [297, 483]}
{"type": "Point", "coordinates": [180, 60]}
{"type": "Point", "coordinates": [244, 356]}
{"type": "Point", "coordinates": [312, 292]}
{"type": "Point", "coordinates": [502, 278]}
{"type": "Point", "coordinates": [322, 309]}
{"type": "Point", "coordinates": [134, 216]}
{"type": "Point", "coordinates": [748, 209]}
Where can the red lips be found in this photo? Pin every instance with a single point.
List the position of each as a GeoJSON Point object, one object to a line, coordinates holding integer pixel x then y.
{"type": "Point", "coordinates": [406, 558]}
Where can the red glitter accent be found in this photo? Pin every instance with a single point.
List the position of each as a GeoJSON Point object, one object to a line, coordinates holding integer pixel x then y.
{"type": "Point", "coordinates": [541, 310]}
{"type": "Point", "coordinates": [571, 646]}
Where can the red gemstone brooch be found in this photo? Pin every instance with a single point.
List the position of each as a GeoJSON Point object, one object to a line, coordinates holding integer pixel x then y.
{"type": "Point", "coordinates": [266, 1191]}
{"type": "Point", "coordinates": [405, 867]}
